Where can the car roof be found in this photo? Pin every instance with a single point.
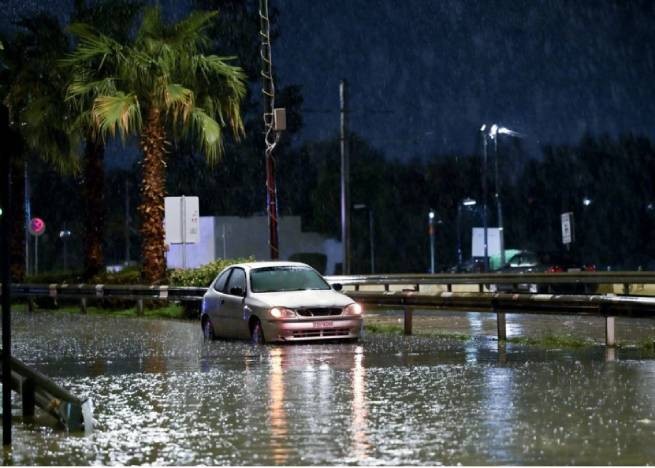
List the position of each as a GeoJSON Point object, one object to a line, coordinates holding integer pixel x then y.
{"type": "Point", "coordinates": [253, 265]}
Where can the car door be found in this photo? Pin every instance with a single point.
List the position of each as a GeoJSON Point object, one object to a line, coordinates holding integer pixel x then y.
{"type": "Point", "coordinates": [215, 304]}
{"type": "Point", "coordinates": [234, 302]}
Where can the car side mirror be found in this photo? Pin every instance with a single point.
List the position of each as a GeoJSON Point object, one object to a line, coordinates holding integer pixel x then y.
{"type": "Point", "coordinates": [337, 286]}
{"type": "Point", "coordinates": [236, 291]}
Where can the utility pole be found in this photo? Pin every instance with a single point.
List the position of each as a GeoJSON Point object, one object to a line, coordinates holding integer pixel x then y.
{"type": "Point", "coordinates": [127, 222]}
{"type": "Point", "coordinates": [5, 222]}
{"type": "Point", "coordinates": [271, 136]}
{"type": "Point", "coordinates": [484, 196]}
{"type": "Point", "coordinates": [345, 177]}
{"type": "Point", "coordinates": [499, 208]}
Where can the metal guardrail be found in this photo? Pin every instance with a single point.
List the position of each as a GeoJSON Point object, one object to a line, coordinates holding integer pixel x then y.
{"type": "Point", "coordinates": [608, 305]}
{"type": "Point", "coordinates": [36, 389]}
{"type": "Point", "coordinates": [624, 278]}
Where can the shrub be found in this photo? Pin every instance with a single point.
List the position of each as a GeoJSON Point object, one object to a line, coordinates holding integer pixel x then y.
{"type": "Point", "coordinates": [203, 276]}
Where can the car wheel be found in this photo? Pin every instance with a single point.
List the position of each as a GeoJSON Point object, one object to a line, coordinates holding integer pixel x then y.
{"type": "Point", "coordinates": [208, 330]}
{"type": "Point", "coordinates": [257, 333]}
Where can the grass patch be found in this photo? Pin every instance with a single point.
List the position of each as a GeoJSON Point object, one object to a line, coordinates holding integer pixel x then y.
{"type": "Point", "coordinates": [386, 328]}
{"type": "Point", "coordinates": [392, 329]}
{"type": "Point", "coordinates": [552, 341]}
{"type": "Point", "coordinates": [171, 311]}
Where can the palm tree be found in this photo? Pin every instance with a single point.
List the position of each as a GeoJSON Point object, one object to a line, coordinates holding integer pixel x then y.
{"type": "Point", "coordinates": [34, 94]}
{"type": "Point", "coordinates": [160, 84]}
{"type": "Point", "coordinates": [109, 17]}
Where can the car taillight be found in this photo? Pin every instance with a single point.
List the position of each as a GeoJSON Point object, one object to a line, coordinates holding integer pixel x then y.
{"type": "Point", "coordinates": [555, 269]}
{"type": "Point", "coordinates": [353, 309]}
{"type": "Point", "coordinates": [590, 268]}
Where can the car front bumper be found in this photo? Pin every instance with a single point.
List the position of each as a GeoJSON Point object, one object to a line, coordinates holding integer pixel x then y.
{"type": "Point", "coordinates": [325, 328]}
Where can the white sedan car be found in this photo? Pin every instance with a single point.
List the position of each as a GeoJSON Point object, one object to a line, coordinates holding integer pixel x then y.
{"type": "Point", "coordinates": [277, 301]}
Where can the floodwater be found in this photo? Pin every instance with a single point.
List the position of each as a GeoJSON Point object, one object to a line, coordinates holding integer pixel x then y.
{"type": "Point", "coordinates": [163, 396]}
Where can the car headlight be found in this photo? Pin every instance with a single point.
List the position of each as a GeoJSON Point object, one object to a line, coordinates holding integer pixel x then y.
{"type": "Point", "coordinates": [353, 309]}
{"type": "Point", "coordinates": [282, 312]}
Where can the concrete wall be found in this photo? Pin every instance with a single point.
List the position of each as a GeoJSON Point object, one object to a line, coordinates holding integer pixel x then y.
{"type": "Point", "coordinates": [234, 236]}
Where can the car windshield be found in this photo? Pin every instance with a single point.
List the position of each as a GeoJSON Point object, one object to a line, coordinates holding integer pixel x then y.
{"type": "Point", "coordinates": [285, 278]}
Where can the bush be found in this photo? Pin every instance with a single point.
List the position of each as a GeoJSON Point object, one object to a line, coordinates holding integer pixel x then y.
{"type": "Point", "coordinates": [203, 275]}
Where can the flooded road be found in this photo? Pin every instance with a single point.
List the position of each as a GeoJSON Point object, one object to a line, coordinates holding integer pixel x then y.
{"type": "Point", "coordinates": [163, 396]}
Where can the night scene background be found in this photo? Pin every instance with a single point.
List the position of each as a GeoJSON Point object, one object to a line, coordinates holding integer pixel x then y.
{"type": "Point", "coordinates": [575, 79]}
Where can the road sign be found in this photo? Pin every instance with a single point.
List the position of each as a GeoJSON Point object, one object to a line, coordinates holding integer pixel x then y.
{"type": "Point", "coordinates": [182, 220]}
{"type": "Point", "coordinates": [36, 227]}
{"type": "Point", "coordinates": [493, 242]}
{"type": "Point", "coordinates": [568, 233]}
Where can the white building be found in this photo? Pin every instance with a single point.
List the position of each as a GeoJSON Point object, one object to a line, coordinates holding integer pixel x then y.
{"type": "Point", "coordinates": [234, 236]}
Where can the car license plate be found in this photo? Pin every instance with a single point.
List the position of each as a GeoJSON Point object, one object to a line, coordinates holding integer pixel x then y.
{"type": "Point", "coordinates": [323, 324]}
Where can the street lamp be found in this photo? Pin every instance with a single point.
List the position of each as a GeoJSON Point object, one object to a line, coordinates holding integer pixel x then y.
{"type": "Point", "coordinates": [494, 132]}
{"type": "Point", "coordinates": [64, 235]}
{"type": "Point", "coordinates": [483, 135]}
{"type": "Point", "coordinates": [586, 201]}
{"type": "Point", "coordinates": [466, 203]}
{"type": "Point", "coordinates": [361, 206]}
{"type": "Point", "coordinates": [431, 231]}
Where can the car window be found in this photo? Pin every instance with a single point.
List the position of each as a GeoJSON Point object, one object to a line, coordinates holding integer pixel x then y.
{"type": "Point", "coordinates": [286, 278]}
{"type": "Point", "coordinates": [219, 284]}
{"type": "Point", "coordinates": [237, 280]}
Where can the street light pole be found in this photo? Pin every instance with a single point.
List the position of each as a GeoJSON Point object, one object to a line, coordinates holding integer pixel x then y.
{"type": "Point", "coordinates": [499, 210]}
{"type": "Point", "coordinates": [370, 235]}
{"type": "Point", "coordinates": [431, 232]}
{"type": "Point", "coordinates": [484, 196]}
{"type": "Point", "coordinates": [466, 202]}
{"type": "Point", "coordinates": [345, 177]}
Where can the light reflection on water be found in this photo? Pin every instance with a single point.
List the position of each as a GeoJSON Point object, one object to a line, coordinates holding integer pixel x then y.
{"type": "Point", "coordinates": [162, 396]}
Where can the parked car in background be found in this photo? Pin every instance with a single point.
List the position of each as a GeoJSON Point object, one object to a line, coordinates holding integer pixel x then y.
{"type": "Point", "coordinates": [527, 261]}
{"type": "Point", "coordinates": [278, 301]}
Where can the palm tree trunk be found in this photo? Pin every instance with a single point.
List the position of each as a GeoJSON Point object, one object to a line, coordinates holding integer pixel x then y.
{"type": "Point", "coordinates": [151, 208]}
{"type": "Point", "coordinates": [94, 205]}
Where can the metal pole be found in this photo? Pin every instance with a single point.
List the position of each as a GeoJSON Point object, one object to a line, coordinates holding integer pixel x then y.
{"type": "Point", "coordinates": [36, 255]}
{"type": "Point", "coordinates": [270, 138]}
{"type": "Point", "coordinates": [65, 252]}
{"type": "Point", "coordinates": [183, 228]}
{"type": "Point", "coordinates": [501, 230]}
{"type": "Point", "coordinates": [371, 240]}
{"type": "Point", "coordinates": [484, 200]}
{"type": "Point", "coordinates": [431, 232]}
{"type": "Point", "coordinates": [127, 222]}
{"type": "Point", "coordinates": [459, 234]}
{"type": "Point", "coordinates": [28, 216]}
{"type": "Point", "coordinates": [345, 178]}
{"type": "Point", "coordinates": [6, 283]}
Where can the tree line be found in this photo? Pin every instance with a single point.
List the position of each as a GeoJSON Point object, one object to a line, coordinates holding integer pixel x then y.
{"type": "Point", "coordinates": [62, 88]}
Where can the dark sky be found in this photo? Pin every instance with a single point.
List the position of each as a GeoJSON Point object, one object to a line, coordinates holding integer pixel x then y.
{"type": "Point", "coordinates": [425, 74]}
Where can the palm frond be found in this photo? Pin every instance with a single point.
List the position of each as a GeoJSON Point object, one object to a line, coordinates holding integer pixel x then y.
{"type": "Point", "coordinates": [119, 113]}
{"type": "Point", "coordinates": [179, 101]}
{"type": "Point", "coordinates": [93, 47]}
{"type": "Point", "coordinates": [208, 133]}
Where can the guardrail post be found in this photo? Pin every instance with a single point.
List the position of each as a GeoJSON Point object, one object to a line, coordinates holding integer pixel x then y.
{"type": "Point", "coordinates": [449, 287]}
{"type": "Point", "coordinates": [501, 325]}
{"type": "Point", "coordinates": [409, 313]}
{"type": "Point", "coordinates": [610, 337]}
{"type": "Point", "coordinates": [139, 307]}
{"type": "Point", "coordinates": [28, 391]}
{"type": "Point", "coordinates": [626, 289]}
{"type": "Point", "coordinates": [83, 307]}
{"type": "Point", "coordinates": [30, 305]}
{"type": "Point", "coordinates": [481, 287]}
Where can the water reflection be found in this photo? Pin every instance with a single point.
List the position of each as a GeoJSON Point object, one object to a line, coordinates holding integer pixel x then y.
{"type": "Point", "coordinates": [164, 397]}
{"type": "Point", "coordinates": [277, 415]}
{"type": "Point", "coordinates": [361, 446]}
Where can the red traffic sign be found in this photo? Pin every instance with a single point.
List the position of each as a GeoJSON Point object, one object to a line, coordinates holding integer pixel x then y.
{"type": "Point", "coordinates": [37, 226]}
